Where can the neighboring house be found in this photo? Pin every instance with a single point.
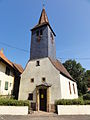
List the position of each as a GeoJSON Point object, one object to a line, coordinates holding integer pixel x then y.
{"type": "Point", "coordinates": [45, 79]}
{"type": "Point", "coordinates": [9, 77]}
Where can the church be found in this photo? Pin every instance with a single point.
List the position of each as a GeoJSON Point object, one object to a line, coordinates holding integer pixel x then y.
{"type": "Point", "coordinates": [44, 78]}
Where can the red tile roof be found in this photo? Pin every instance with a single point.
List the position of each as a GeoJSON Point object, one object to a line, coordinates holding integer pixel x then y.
{"type": "Point", "coordinates": [18, 67]}
{"type": "Point", "coordinates": [2, 56]}
{"type": "Point", "coordinates": [61, 68]}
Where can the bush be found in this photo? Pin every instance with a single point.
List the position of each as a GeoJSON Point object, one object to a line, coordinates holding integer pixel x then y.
{"type": "Point", "coordinates": [12, 102]}
{"type": "Point", "coordinates": [87, 102]}
{"type": "Point", "coordinates": [86, 96]}
{"type": "Point", "coordinates": [79, 101]}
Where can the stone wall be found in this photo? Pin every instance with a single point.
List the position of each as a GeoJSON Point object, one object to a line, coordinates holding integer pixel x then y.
{"type": "Point", "coordinates": [65, 90]}
{"type": "Point", "coordinates": [13, 110]}
{"type": "Point", "coordinates": [73, 109]}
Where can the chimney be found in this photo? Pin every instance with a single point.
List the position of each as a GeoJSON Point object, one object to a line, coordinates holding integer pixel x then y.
{"type": "Point", "coordinates": [1, 50]}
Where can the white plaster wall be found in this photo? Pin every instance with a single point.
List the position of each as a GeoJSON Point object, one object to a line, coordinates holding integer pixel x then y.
{"type": "Point", "coordinates": [5, 78]}
{"type": "Point", "coordinates": [65, 93]}
{"type": "Point", "coordinates": [13, 110]}
{"type": "Point", "coordinates": [47, 70]}
{"type": "Point", "coordinates": [73, 109]}
{"type": "Point", "coordinates": [3, 68]}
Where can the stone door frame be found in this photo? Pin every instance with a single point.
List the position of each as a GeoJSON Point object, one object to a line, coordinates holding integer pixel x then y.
{"type": "Point", "coordinates": [38, 99]}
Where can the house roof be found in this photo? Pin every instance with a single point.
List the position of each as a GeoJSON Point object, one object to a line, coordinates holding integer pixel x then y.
{"type": "Point", "coordinates": [43, 20]}
{"type": "Point", "coordinates": [61, 68]}
{"type": "Point", "coordinates": [18, 67]}
{"type": "Point", "coordinates": [2, 56]}
{"type": "Point", "coordinates": [13, 65]}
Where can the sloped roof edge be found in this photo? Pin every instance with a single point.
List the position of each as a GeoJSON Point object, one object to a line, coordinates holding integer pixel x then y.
{"type": "Point", "coordinates": [58, 65]}
{"type": "Point", "coordinates": [17, 66]}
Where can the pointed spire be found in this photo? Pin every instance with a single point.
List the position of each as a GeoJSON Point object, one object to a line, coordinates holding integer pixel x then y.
{"type": "Point", "coordinates": [43, 17]}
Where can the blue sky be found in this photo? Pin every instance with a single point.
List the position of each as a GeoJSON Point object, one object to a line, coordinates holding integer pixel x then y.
{"type": "Point", "coordinates": [70, 19]}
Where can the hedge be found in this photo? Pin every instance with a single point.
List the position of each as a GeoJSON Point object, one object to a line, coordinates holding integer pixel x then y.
{"type": "Point", "coordinates": [12, 102]}
{"type": "Point", "coordinates": [72, 102]}
{"type": "Point", "coordinates": [86, 96]}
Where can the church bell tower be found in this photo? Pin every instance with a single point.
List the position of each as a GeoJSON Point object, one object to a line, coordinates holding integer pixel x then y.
{"type": "Point", "coordinates": [42, 39]}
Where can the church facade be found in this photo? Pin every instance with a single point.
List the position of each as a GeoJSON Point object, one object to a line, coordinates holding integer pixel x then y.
{"type": "Point", "coordinates": [44, 78]}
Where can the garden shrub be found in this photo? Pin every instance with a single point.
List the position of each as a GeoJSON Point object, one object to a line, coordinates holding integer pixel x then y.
{"type": "Point", "coordinates": [87, 102]}
{"type": "Point", "coordinates": [86, 96]}
{"type": "Point", "coordinates": [78, 101]}
{"type": "Point", "coordinates": [12, 102]}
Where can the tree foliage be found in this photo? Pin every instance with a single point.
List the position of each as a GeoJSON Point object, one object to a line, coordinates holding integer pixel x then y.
{"type": "Point", "coordinates": [87, 77]}
{"type": "Point", "coordinates": [78, 73]}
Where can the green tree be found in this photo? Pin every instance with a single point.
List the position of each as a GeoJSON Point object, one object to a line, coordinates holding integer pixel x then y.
{"type": "Point", "coordinates": [87, 77]}
{"type": "Point", "coordinates": [78, 74]}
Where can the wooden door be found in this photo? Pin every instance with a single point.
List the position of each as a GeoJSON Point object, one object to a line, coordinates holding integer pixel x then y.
{"type": "Point", "coordinates": [43, 99]}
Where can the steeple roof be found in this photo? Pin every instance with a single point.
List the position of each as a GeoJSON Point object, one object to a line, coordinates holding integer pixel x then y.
{"type": "Point", "coordinates": [43, 20]}
{"type": "Point", "coordinates": [43, 17]}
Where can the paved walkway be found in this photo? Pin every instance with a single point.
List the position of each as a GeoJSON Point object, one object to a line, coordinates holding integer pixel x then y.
{"type": "Point", "coordinates": [44, 116]}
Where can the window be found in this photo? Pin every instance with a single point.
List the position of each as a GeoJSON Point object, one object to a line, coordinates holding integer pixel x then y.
{"type": "Point", "coordinates": [7, 71]}
{"type": "Point", "coordinates": [52, 39]}
{"type": "Point", "coordinates": [0, 84]}
{"type": "Point", "coordinates": [10, 84]}
{"type": "Point", "coordinates": [37, 33]}
{"type": "Point", "coordinates": [70, 88]}
{"type": "Point", "coordinates": [41, 32]}
{"type": "Point", "coordinates": [37, 63]}
{"type": "Point", "coordinates": [30, 96]}
{"type": "Point", "coordinates": [43, 79]}
{"type": "Point", "coordinates": [74, 89]}
{"type": "Point", "coordinates": [6, 85]}
{"type": "Point", "coordinates": [32, 80]}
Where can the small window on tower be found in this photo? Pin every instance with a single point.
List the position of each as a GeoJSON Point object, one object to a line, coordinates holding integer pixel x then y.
{"type": "Point", "coordinates": [37, 63]}
{"type": "Point", "coordinates": [52, 39]}
{"type": "Point", "coordinates": [37, 33]}
{"type": "Point", "coordinates": [41, 32]}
